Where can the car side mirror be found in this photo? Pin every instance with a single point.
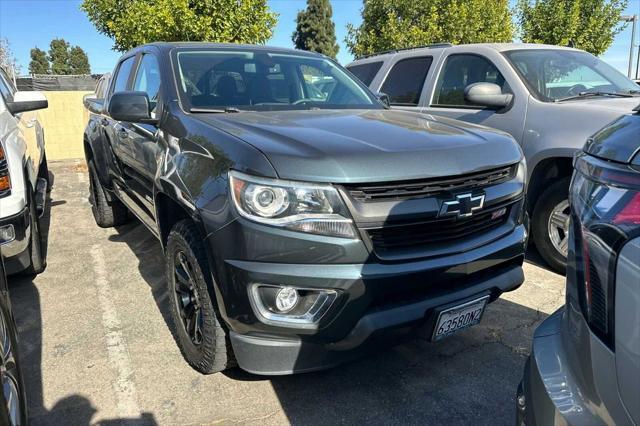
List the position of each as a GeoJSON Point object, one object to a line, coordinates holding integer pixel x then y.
{"type": "Point", "coordinates": [27, 101]}
{"type": "Point", "coordinates": [132, 107]}
{"type": "Point", "coordinates": [93, 104]}
{"type": "Point", "coordinates": [488, 95]}
{"type": "Point", "coordinates": [384, 98]}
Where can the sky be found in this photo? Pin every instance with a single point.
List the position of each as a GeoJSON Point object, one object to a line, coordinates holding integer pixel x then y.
{"type": "Point", "coordinates": [30, 23]}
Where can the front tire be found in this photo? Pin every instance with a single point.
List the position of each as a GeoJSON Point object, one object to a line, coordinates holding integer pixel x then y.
{"type": "Point", "coordinates": [200, 335]}
{"type": "Point", "coordinates": [550, 225]}
{"type": "Point", "coordinates": [106, 213]}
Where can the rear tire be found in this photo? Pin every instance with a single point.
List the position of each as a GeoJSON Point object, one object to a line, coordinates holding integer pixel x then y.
{"type": "Point", "coordinates": [44, 173]}
{"type": "Point", "coordinates": [38, 262]}
{"type": "Point", "coordinates": [106, 213]}
{"type": "Point", "coordinates": [551, 202]}
{"type": "Point", "coordinates": [199, 333]}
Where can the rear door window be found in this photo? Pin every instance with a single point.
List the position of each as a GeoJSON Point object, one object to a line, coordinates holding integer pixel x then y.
{"type": "Point", "coordinates": [461, 70]}
{"type": "Point", "coordinates": [405, 80]}
{"type": "Point", "coordinates": [366, 72]}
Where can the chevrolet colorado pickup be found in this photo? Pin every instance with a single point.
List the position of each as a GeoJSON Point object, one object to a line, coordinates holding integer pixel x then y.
{"type": "Point", "coordinates": [302, 220]}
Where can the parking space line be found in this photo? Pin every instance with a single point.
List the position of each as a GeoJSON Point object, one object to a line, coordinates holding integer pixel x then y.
{"type": "Point", "coordinates": [124, 387]}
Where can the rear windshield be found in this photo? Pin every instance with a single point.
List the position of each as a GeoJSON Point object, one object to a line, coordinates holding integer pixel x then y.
{"type": "Point", "coordinates": [365, 72]}
{"type": "Point", "coordinates": [250, 80]}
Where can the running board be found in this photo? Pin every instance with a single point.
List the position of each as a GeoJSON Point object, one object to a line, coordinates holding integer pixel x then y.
{"type": "Point", "coordinates": [41, 196]}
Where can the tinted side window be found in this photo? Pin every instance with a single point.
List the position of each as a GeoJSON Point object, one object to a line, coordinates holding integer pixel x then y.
{"type": "Point", "coordinates": [122, 76]}
{"type": "Point", "coordinates": [148, 79]}
{"type": "Point", "coordinates": [366, 72]}
{"type": "Point", "coordinates": [405, 80]}
{"type": "Point", "coordinates": [458, 72]}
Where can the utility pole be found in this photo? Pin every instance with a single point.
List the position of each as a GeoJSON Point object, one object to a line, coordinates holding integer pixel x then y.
{"type": "Point", "coordinates": [634, 20]}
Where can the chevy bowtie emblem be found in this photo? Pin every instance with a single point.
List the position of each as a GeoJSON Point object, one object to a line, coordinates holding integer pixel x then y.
{"type": "Point", "coordinates": [463, 206]}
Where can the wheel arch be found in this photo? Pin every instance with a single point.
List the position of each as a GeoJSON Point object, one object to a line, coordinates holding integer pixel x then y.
{"type": "Point", "coordinates": [170, 211]}
{"type": "Point", "coordinates": [545, 172]}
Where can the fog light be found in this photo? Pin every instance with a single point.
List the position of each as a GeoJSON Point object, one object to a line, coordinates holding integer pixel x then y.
{"type": "Point", "coordinates": [288, 306]}
{"type": "Point", "coordinates": [7, 234]}
{"type": "Point", "coordinates": [286, 299]}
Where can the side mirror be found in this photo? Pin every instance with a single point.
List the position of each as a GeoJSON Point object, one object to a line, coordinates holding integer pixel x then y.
{"type": "Point", "coordinates": [488, 95]}
{"type": "Point", "coordinates": [27, 101]}
{"type": "Point", "coordinates": [384, 98]}
{"type": "Point", "coordinates": [132, 107]}
{"type": "Point", "coordinates": [93, 104]}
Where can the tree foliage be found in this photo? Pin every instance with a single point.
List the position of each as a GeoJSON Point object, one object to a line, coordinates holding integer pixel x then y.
{"type": "Point", "coordinates": [392, 24]}
{"type": "Point", "coordinates": [39, 63]}
{"type": "Point", "coordinates": [134, 22]}
{"type": "Point", "coordinates": [59, 56]}
{"type": "Point", "coordinates": [7, 60]}
{"type": "Point", "coordinates": [590, 25]}
{"type": "Point", "coordinates": [78, 61]}
{"type": "Point", "coordinates": [315, 29]}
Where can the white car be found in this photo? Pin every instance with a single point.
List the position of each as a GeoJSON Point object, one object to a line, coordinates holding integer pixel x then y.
{"type": "Point", "coordinates": [24, 178]}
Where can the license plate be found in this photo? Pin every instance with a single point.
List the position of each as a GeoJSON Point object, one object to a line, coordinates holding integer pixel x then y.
{"type": "Point", "coordinates": [459, 317]}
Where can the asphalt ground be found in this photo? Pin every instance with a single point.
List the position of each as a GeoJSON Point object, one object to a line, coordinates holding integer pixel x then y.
{"type": "Point", "coordinates": [96, 348]}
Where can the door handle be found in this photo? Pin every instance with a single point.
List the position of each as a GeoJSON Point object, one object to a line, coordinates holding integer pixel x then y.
{"type": "Point", "coordinates": [104, 122]}
{"type": "Point", "coordinates": [122, 132]}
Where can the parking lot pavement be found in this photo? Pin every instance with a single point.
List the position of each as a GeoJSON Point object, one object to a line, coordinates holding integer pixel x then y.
{"type": "Point", "coordinates": [96, 347]}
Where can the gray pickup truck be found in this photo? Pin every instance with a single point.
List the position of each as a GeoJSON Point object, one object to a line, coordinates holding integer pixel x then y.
{"type": "Point", "coordinates": [549, 98]}
{"type": "Point", "coordinates": [302, 221]}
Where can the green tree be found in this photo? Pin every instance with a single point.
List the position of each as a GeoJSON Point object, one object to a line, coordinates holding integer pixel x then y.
{"type": "Point", "coordinates": [78, 61]}
{"type": "Point", "coordinates": [59, 56]}
{"type": "Point", "coordinates": [590, 25]}
{"type": "Point", "coordinates": [133, 22]}
{"type": "Point", "coordinates": [39, 63]}
{"type": "Point", "coordinates": [315, 29]}
{"type": "Point", "coordinates": [393, 24]}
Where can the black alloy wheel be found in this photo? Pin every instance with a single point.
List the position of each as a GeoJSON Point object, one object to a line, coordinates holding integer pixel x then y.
{"type": "Point", "coordinates": [187, 297]}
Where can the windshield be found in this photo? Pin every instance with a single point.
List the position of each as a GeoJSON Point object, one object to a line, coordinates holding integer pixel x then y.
{"type": "Point", "coordinates": [556, 74]}
{"type": "Point", "coordinates": [257, 80]}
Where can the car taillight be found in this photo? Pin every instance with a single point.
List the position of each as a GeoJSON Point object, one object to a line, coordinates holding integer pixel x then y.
{"type": "Point", "coordinates": [5, 180]}
{"type": "Point", "coordinates": [605, 204]}
{"type": "Point", "coordinates": [630, 213]}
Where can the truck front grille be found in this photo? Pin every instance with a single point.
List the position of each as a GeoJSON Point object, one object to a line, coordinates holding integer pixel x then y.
{"type": "Point", "coordinates": [429, 187]}
{"type": "Point", "coordinates": [437, 231]}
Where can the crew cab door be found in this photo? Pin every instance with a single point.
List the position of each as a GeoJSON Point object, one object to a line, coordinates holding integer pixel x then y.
{"type": "Point", "coordinates": [142, 137]}
{"type": "Point", "coordinates": [455, 72]}
{"type": "Point", "coordinates": [117, 130]}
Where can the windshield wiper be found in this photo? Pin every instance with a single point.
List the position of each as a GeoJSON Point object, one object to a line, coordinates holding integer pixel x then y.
{"type": "Point", "coordinates": [214, 110]}
{"type": "Point", "coordinates": [583, 95]}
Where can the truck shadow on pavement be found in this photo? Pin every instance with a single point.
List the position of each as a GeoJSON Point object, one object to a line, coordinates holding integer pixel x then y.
{"type": "Point", "coordinates": [467, 378]}
{"type": "Point", "coordinates": [25, 298]}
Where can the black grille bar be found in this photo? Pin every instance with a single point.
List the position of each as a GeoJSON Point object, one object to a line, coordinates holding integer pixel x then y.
{"type": "Point", "coordinates": [428, 187]}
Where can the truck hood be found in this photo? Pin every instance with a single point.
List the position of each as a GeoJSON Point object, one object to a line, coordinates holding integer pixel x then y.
{"type": "Point", "coordinates": [619, 141]}
{"type": "Point", "coordinates": [349, 146]}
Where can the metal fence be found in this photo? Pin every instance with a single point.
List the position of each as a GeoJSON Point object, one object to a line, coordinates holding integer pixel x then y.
{"type": "Point", "coordinates": [58, 82]}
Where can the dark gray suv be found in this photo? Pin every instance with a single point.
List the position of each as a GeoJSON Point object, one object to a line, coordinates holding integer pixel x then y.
{"type": "Point", "coordinates": [301, 219]}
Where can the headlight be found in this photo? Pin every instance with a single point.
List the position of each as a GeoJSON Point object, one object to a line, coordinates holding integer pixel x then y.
{"type": "Point", "coordinates": [304, 207]}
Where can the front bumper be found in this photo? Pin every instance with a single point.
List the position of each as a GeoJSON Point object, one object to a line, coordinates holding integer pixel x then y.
{"type": "Point", "coordinates": [550, 392]}
{"type": "Point", "coordinates": [16, 252]}
{"type": "Point", "coordinates": [375, 300]}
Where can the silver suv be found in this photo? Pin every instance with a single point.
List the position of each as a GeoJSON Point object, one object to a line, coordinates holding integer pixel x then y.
{"type": "Point", "coordinates": [549, 98]}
